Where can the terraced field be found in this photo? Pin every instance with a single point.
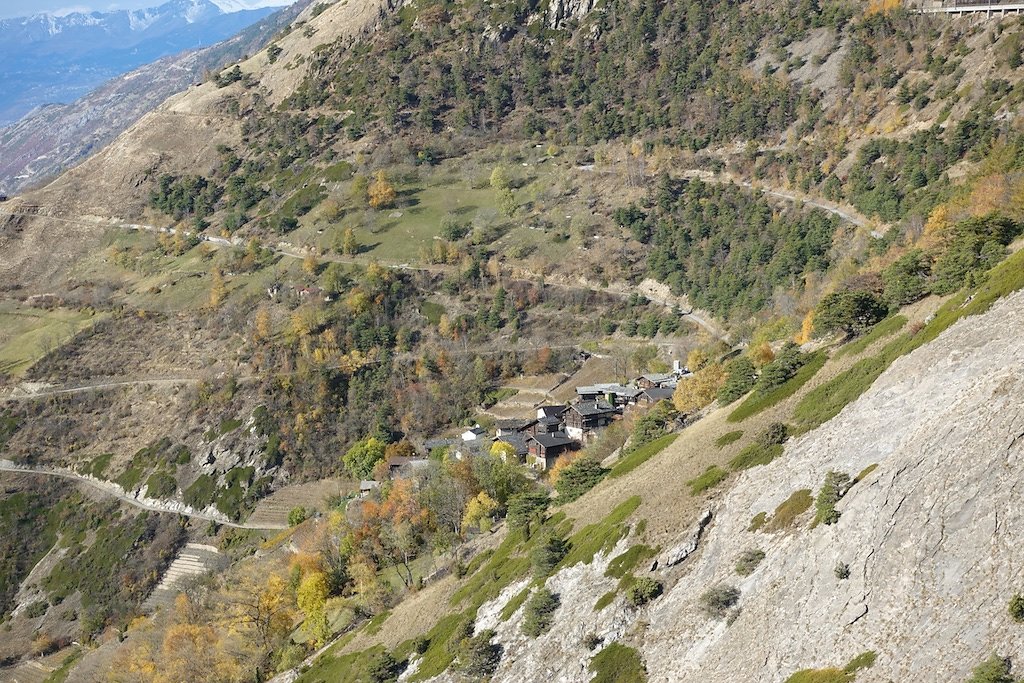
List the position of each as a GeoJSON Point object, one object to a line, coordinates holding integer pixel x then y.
{"type": "Point", "coordinates": [273, 510]}
{"type": "Point", "coordinates": [194, 560]}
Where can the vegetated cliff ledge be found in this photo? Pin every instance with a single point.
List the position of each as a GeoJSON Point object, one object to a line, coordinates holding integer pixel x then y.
{"type": "Point", "coordinates": [929, 537]}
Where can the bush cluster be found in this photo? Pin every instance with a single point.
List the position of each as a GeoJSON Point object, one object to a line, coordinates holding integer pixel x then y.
{"type": "Point", "coordinates": [643, 591]}
{"type": "Point", "coordinates": [540, 612]}
{"type": "Point", "coordinates": [718, 600]}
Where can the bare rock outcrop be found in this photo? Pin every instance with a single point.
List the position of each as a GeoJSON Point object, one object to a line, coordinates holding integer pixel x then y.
{"type": "Point", "coordinates": [686, 547]}
{"type": "Point", "coordinates": [562, 11]}
{"type": "Point", "coordinates": [930, 536]}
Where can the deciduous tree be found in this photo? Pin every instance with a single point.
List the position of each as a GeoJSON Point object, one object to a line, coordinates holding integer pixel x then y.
{"type": "Point", "coordinates": [381, 192]}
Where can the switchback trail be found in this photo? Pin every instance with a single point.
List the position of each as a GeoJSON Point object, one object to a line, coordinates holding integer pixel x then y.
{"type": "Point", "coordinates": [290, 251]}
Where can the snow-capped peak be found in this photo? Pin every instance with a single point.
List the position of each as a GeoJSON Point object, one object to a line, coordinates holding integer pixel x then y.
{"type": "Point", "coordinates": [229, 6]}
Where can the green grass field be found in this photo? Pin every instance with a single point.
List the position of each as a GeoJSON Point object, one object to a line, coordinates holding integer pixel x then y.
{"type": "Point", "coordinates": [27, 334]}
{"type": "Point", "coordinates": [426, 195]}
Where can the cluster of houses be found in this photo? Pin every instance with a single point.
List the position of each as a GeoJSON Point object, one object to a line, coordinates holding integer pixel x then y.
{"type": "Point", "coordinates": [557, 429]}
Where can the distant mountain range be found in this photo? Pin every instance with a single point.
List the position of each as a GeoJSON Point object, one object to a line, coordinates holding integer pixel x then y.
{"type": "Point", "coordinates": [57, 59]}
{"type": "Point", "coordinates": [55, 137]}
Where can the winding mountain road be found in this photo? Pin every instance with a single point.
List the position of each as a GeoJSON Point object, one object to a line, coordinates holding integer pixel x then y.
{"type": "Point", "coordinates": [847, 213]}
{"type": "Point", "coordinates": [22, 392]}
{"type": "Point", "coordinates": [114, 491]}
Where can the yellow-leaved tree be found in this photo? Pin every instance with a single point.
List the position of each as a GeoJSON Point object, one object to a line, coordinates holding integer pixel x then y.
{"type": "Point", "coordinates": [700, 389]}
{"type": "Point", "coordinates": [381, 192]}
{"type": "Point", "coordinates": [312, 597]}
{"type": "Point", "coordinates": [503, 450]}
{"type": "Point", "coordinates": [218, 289]}
{"type": "Point", "coordinates": [478, 512]}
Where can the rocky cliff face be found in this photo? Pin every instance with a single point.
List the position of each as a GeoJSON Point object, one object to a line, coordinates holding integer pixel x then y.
{"type": "Point", "coordinates": [562, 11]}
{"type": "Point", "coordinates": [930, 537]}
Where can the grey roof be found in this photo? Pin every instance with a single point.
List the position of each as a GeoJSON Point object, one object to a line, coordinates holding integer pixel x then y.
{"type": "Point", "coordinates": [516, 441]}
{"type": "Point", "coordinates": [658, 377]}
{"type": "Point", "coordinates": [402, 461]}
{"type": "Point", "coordinates": [553, 439]}
{"type": "Point", "coordinates": [513, 424]}
{"type": "Point", "coordinates": [617, 389]}
{"type": "Point", "coordinates": [659, 393]}
{"type": "Point", "coordinates": [593, 408]}
{"type": "Point", "coordinates": [552, 411]}
{"type": "Point", "coordinates": [549, 421]}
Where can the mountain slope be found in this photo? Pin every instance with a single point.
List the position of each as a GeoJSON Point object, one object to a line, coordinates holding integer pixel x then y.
{"type": "Point", "coordinates": [55, 137]}
{"type": "Point", "coordinates": [50, 59]}
{"type": "Point", "coordinates": [925, 538]}
{"type": "Point", "coordinates": [360, 237]}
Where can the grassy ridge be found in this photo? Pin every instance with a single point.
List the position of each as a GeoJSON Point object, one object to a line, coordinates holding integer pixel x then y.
{"type": "Point", "coordinates": [883, 329]}
{"type": "Point", "coordinates": [755, 403]}
{"type": "Point", "coordinates": [826, 401]}
{"type": "Point", "coordinates": [641, 455]}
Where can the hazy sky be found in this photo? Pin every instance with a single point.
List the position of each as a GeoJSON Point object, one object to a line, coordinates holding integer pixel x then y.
{"type": "Point", "coordinates": [20, 8]}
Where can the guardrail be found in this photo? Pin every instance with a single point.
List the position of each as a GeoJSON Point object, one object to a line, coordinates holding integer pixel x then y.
{"type": "Point", "coordinates": [988, 10]}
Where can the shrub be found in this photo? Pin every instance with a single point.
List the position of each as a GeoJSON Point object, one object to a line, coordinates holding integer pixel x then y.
{"type": "Point", "coordinates": [420, 644]}
{"type": "Point", "coordinates": [383, 668]}
{"type": "Point", "coordinates": [643, 591]}
{"type": "Point", "coordinates": [618, 663]}
{"type": "Point", "coordinates": [297, 516]}
{"type": "Point", "coordinates": [779, 371]}
{"type": "Point", "coordinates": [578, 478]}
{"type": "Point", "coordinates": [775, 434]}
{"type": "Point", "coordinates": [755, 454]}
{"type": "Point", "coordinates": [757, 521]}
{"type": "Point", "coordinates": [161, 485]}
{"type": "Point", "coordinates": [36, 609]}
{"type": "Point", "coordinates": [759, 401]}
{"type": "Point", "coordinates": [789, 509]}
{"type": "Point", "coordinates": [728, 438]}
{"type": "Point", "coordinates": [462, 632]}
{"type": "Point", "coordinates": [605, 600]}
{"type": "Point", "coordinates": [540, 610]}
{"type": "Point", "coordinates": [592, 640]}
{"type": "Point", "coordinates": [527, 509]}
{"type": "Point", "coordinates": [620, 565]}
{"type": "Point", "coordinates": [995, 669]}
{"type": "Point", "coordinates": [865, 660]}
{"type": "Point", "coordinates": [478, 656]}
{"type": "Point", "coordinates": [1017, 608]}
{"type": "Point", "coordinates": [548, 553]}
{"type": "Point", "coordinates": [842, 571]}
{"type": "Point", "coordinates": [717, 601]}
{"type": "Point", "coordinates": [651, 426]}
{"type": "Point", "coordinates": [740, 380]}
{"type": "Point", "coordinates": [905, 279]}
{"type": "Point", "coordinates": [636, 457]}
{"type": "Point", "coordinates": [832, 490]}
{"type": "Point", "coordinates": [851, 312]}
{"type": "Point", "coordinates": [713, 476]}
{"type": "Point", "coordinates": [748, 560]}
{"type": "Point", "coordinates": [452, 229]}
